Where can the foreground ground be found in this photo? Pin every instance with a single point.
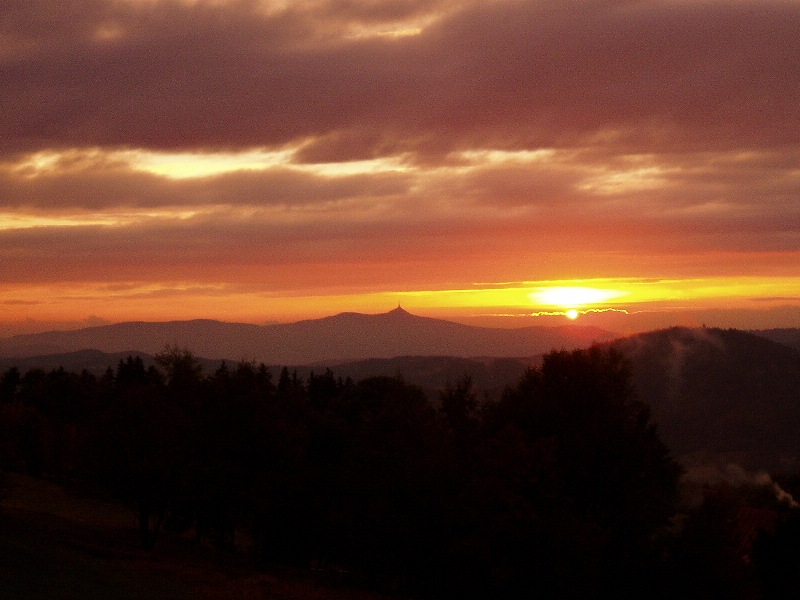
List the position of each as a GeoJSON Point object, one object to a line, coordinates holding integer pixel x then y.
{"type": "Point", "coordinates": [58, 544]}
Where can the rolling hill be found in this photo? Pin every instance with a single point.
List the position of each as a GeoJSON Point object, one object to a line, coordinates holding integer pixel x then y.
{"type": "Point", "coordinates": [786, 336]}
{"type": "Point", "coordinates": [717, 395]}
{"type": "Point", "coordinates": [344, 337]}
{"type": "Point", "coordinates": [721, 395]}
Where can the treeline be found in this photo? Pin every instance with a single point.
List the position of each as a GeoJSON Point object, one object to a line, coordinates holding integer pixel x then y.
{"type": "Point", "coordinates": [561, 488]}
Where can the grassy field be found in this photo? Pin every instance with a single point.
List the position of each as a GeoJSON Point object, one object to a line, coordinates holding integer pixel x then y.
{"type": "Point", "coordinates": [57, 544]}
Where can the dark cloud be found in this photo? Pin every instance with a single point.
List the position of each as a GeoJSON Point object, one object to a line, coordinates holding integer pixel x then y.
{"type": "Point", "coordinates": [511, 74]}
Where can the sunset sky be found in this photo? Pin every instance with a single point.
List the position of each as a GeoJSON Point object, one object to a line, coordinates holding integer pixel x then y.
{"type": "Point", "coordinates": [275, 160]}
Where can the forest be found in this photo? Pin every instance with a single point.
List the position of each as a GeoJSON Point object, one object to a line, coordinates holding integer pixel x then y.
{"type": "Point", "coordinates": [559, 488]}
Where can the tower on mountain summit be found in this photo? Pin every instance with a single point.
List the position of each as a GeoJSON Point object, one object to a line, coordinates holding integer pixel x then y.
{"type": "Point", "coordinates": [399, 311]}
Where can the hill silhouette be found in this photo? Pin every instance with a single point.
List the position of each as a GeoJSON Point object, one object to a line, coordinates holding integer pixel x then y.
{"type": "Point", "coordinates": [721, 395]}
{"type": "Point", "coordinates": [91, 360]}
{"type": "Point", "coordinates": [344, 337]}
{"type": "Point", "coordinates": [716, 395]}
{"type": "Point", "coordinates": [788, 336]}
{"type": "Point", "coordinates": [489, 375]}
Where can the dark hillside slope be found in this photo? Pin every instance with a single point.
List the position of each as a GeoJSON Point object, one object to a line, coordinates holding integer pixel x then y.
{"type": "Point", "coordinates": [786, 336]}
{"type": "Point", "coordinates": [720, 394]}
{"type": "Point", "coordinates": [93, 361]}
{"type": "Point", "coordinates": [434, 373]}
{"type": "Point", "coordinates": [431, 373]}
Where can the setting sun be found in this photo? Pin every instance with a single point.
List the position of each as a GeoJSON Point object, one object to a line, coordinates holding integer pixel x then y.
{"type": "Point", "coordinates": [572, 314]}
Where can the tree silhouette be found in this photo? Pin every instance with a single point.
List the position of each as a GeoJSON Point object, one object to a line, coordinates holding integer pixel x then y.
{"type": "Point", "coordinates": [777, 559]}
{"type": "Point", "coordinates": [558, 489]}
{"type": "Point", "coordinates": [9, 385]}
{"type": "Point", "coordinates": [141, 444]}
{"type": "Point", "coordinates": [183, 370]}
{"type": "Point", "coordinates": [572, 482]}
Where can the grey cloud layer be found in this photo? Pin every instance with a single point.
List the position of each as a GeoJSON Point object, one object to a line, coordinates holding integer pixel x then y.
{"type": "Point", "coordinates": [501, 74]}
{"type": "Point", "coordinates": [108, 188]}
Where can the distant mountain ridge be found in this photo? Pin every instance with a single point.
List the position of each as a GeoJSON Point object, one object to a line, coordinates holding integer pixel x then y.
{"type": "Point", "coordinates": [343, 337]}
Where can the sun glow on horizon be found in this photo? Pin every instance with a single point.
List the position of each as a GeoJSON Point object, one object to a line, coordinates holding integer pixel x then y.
{"type": "Point", "coordinates": [630, 303]}
{"type": "Point", "coordinates": [572, 297]}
